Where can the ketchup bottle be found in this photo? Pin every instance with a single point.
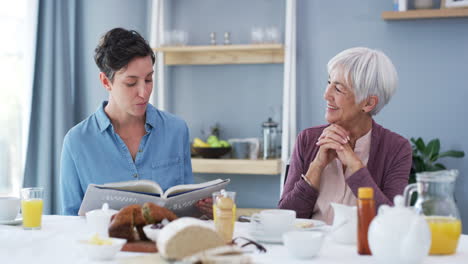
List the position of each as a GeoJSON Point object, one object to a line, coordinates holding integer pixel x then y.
{"type": "Point", "coordinates": [366, 212]}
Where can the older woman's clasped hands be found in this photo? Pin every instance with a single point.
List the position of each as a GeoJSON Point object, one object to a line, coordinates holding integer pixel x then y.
{"type": "Point", "coordinates": [335, 142]}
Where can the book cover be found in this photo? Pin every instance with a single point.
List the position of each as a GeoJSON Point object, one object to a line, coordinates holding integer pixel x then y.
{"type": "Point", "coordinates": [180, 199]}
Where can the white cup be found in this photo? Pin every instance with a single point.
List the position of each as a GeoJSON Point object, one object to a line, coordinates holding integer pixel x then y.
{"type": "Point", "coordinates": [274, 222]}
{"type": "Point", "coordinates": [9, 208]}
{"type": "Point", "coordinates": [303, 244]}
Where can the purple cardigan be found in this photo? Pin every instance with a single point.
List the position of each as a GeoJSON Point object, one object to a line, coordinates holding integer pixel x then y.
{"type": "Point", "coordinates": [387, 169]}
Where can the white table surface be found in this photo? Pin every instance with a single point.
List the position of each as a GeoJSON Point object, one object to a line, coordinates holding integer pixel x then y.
{"type": "Point", "coordinates": [56, 242]}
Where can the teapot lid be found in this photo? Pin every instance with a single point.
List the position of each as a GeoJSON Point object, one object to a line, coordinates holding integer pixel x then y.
{"type": "Point", "coordinates": [389, 215]}
{"type": "Point", "coordinates": [105, 210]}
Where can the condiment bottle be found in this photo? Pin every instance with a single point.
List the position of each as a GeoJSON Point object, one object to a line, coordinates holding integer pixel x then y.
{"type": "Point", "coordinates": [224, 211]}
{"type": "Point", "coordinates": [366, 212]}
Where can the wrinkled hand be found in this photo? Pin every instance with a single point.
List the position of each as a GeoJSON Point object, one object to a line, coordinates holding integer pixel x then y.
{"type": "Point", "coordinates": [336, 138]}
{"type": "Point", "coordinates": [205, 206]}
{"type": "Point", "coordinates": [330, 142]}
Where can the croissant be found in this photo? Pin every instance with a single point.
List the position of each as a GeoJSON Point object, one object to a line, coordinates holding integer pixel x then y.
{"type": "Point", "coordinates": [128, 223]}
{"type": "Point", "coordinates": [154, 214]}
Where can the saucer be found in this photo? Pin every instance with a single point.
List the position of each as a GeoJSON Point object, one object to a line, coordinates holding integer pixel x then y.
{"type": "Point", "coordinates": [302, 224]}
{"type": "Point", "coordinates": [16, 221]}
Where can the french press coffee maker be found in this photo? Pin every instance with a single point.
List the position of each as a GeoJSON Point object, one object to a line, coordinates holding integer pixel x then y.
{"type": "Point", "coordinates": [270, 139]}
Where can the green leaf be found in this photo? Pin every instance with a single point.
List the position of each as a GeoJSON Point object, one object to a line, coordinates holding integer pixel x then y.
{"type": "Point", "coordinates": [432, 149]}
{"type": "Point", "coordinates": [452, 153]}
{"type": "Point", "coordinates": [419, 143]}
{"type": "Point", "coordinates": [418, 164]}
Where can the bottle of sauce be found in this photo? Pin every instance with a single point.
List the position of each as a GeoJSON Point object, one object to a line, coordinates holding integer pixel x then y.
{"type": "Point", "coordinates": [366, 212]}
{"type": "Point", "coordinates": [224, 212]}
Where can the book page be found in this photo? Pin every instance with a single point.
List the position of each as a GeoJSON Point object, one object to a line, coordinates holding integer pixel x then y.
{"type": "Point", "coordinates": [143, 186]}
{"type": "Point", "coordinates": [174, 190]}
{"type": "Point", "coordinates": [183, 203]}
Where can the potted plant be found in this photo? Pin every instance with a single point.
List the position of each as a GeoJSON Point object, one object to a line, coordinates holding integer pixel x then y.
{"type": "Point", "coordinates": [425, 157]}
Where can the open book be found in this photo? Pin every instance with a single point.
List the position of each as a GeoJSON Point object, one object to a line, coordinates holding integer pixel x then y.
{"type": "Point", "coordinates": [179, 198]}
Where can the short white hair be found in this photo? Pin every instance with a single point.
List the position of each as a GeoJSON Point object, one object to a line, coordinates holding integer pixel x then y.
{"type": "Point", "coordinates": [368, 72]}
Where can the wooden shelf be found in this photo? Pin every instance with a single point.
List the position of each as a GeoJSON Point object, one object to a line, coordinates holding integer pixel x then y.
{"type": "Point", "coordinates": [236, 166]}
{"type": "Point", "coordinates": [223, 54]}
{"type": "Point", "coordinates": [425, 14]}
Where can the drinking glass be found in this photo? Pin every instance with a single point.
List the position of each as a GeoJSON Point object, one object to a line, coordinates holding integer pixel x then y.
{"type": "Point", "coordinates": [272, 35]}
{"type": "Point", "coordinates": [257, 35]}
{"type": "Point", "coordinates": [179, 37]}
{"type": "Point", "coordinates": [31, 207]}
{"type": "Point", "coordinates": [224, 213]}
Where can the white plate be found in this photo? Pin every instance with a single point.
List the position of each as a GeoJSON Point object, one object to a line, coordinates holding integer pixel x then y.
{"type": "Point", "coordinates": [151, 233]}
{"type": "Point", "coordinates": [308, 224]}
{"type": "Point", "coordinates": [16, 221]}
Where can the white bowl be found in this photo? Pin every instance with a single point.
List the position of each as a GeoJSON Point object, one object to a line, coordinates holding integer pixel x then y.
{"type": "Point", "coordinates": [151, 233]}
{"type": "Point", "coordinates": [302, 244]}
{"type": "Point", "coordinates": [103, 252]}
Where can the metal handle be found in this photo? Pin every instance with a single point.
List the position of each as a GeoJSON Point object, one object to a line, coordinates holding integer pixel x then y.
{"type": "Point", "coordinates": [408, 193]}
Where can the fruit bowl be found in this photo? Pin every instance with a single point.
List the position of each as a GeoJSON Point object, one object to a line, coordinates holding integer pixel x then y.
{"type": "Point", "coordinates": [211, 153]}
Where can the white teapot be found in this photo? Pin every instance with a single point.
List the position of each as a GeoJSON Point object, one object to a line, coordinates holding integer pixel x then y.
{"type": "Point", "coordinates": [399, 235]}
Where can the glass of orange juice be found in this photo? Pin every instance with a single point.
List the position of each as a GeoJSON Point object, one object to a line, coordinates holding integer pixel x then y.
{"type": "Point", "coordinates": [31, 207]}
{"type": "Point", "coordinates": [224, 213]}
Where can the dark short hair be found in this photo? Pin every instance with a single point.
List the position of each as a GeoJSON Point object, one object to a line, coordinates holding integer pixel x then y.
{"type": "Point", "coordinates": [117, 48]}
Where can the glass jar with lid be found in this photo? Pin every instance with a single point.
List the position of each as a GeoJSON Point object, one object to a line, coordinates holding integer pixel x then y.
{"type": "Point", "coordinates": [270, 139]}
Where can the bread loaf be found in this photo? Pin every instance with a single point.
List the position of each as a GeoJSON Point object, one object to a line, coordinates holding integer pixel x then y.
{"type": "Point", "coordinates": [186, 236]}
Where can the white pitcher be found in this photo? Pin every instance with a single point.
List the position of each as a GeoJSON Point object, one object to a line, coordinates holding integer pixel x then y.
{"type": "Point", "coordinates": [344, 223]}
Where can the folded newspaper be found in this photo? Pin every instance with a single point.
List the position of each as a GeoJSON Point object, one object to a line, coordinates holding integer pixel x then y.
{"type": "Point", "coordinates": [180, 198]}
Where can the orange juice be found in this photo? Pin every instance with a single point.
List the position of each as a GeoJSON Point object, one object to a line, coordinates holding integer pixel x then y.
{"type": "Point", "coordinates": [32, 213]}
{"type": "Point", "coordinates": [445, 234]}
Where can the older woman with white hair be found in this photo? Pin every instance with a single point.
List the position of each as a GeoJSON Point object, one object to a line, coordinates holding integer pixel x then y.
{"type": "Point", "coordinates": [330, 162]}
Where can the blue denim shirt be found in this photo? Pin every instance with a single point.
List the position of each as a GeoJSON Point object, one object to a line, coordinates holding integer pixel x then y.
{"type": "Point", "coordinates": [94, 153]}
